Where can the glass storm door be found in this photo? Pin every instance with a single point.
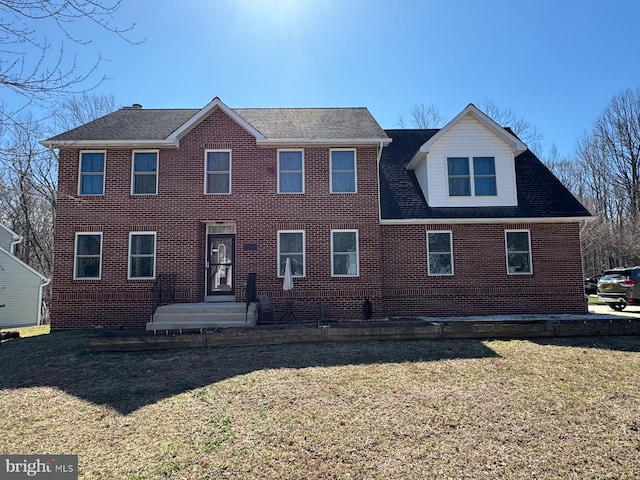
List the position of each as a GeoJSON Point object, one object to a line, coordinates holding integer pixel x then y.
{"type": "Point", "coordinates": [220, 256]}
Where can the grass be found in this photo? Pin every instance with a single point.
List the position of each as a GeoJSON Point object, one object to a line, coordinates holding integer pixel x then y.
{"type": "Point", "coordinates": [552, 409]}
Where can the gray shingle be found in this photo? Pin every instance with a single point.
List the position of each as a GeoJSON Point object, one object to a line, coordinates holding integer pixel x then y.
{"type": "Point", "coordinates": [313, 123]}
{"type": "Point", "coordinates": [130, 124]}
{"type": "Point", "coordinates": [540, 193]}
{"type": "Point", "coordinates": [274, 123]}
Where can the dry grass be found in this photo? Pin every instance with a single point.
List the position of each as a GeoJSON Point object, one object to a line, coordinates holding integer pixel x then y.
{"type": "Point", "coordinates": [388, 410]}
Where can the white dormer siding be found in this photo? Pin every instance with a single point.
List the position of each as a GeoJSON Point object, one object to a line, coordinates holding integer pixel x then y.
{"type": "Point", "coordinates": [422, 175]}
{"type": "Point", "coordinates": [468, 138]}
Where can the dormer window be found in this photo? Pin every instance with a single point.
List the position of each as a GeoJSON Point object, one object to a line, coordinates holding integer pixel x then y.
{"type": "Point", "coordinates": [460, 172]}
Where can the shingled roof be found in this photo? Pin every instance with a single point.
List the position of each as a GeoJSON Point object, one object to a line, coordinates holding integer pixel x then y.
{"type": "Point", "coordinates": [540, 193]}
{"type": "Point", "coordinates": [140, 125]}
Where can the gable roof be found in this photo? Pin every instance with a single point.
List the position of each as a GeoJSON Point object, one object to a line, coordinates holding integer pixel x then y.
{"type": "Point", "coordinates": [540, 194]}
{"type": "Point", "coordinates": [504, 134]}
{"type": "Point", "coordinates": [270, 126]}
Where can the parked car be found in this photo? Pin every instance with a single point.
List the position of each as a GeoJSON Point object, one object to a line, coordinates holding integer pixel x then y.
{"type": "Point", "coordinates": [620, 287]}
{"type": "Point", "coordinates": [591, 284]}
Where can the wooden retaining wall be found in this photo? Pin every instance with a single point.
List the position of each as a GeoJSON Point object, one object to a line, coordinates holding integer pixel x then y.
{"type": "Point", "coordinates": [351, 332]}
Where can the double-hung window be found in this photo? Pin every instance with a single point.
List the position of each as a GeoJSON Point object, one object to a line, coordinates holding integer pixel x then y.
{"type": "Point", "coordinates": [88, 256]}
{"type": "Point", "coordinates": [440, 253]}
{"type": "Point", "coordinates": [290, 171]}
{"type": "Point", "coordinates": [91, 178]}
{"type": "Point", "coordinates": [518, 246]}
{"type": "Point", "coordinates": [142, 255]}
{"type": "Point", "coordinates": [344, 253]}
{"type": "Point", "coordinates": [217, 166]}
{"type": "Point", "coordinates": [343, 171]}
{"type": "Point", "coordinates": [144, 173]}
{"type": "Point", "coordinates": [291, 245]}
{"type": "Point", "coordinates": [461, 171]}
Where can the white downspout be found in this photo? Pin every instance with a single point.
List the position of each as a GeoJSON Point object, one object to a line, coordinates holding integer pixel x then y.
{"type": "Point", "coordinates": [378, 175]}
{"type": "Point", "coordinates": [16, 241]}
{"type": "Point", "coordinates": [44, 284]}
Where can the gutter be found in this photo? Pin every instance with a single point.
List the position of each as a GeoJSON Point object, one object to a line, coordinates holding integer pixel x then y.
{"type": "Point", "coordinates": [452, 221]}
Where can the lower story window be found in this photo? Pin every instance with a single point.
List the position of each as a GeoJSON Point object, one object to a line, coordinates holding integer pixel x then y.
{"type": "Point", "coordinates": [142, 255]}
{"type": "Point", "coordinates": [440, 253]}
{"type": "Point", "coordinates": [291, 246]}
{"type": "Point", "coordinates": [88, 256]}
{"type": "Point", "coordinates": [344, 253]}
{"type": "Point", "coordinates": [518, 245]}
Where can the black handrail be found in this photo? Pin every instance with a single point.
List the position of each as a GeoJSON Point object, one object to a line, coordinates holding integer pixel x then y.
{"type": "Point", "coordinates": [163, 290]}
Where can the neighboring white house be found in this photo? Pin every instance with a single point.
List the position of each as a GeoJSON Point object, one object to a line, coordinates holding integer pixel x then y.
{"type": "Point", "coordinates": [20, 285]}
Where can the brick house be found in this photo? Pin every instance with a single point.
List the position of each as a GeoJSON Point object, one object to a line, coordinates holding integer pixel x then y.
{"type": "Point", "coordinates": [461, 220]}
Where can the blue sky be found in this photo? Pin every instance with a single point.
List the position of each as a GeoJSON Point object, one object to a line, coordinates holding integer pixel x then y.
{"type": "Point", "coordinates": [555, 63]}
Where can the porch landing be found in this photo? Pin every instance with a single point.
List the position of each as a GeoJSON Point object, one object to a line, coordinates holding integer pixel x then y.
{"type": "Point", "coordinates": [201, 316]}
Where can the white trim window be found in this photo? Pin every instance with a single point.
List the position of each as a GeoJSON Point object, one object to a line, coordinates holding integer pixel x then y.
{"type": "Point", "coordinates": [291, 244]}
{"type": "Point", "coordinates": [91, 172]}
{"type": "Point", "coordinates": [518, 250]}
{"type": "Point", "coordinates": [144, 172]}
{"type": "Point", "coordinates": [440, 253]}
{"type": "Point", "coordinates": [344, 178]}
{"type": "Point", "coordinates": [460, 172]}
{"type": "Point", "coordinates": [87, 256]}
{"type": "Point", "coordinates": [290, 171]}
{"type": "Point", "coordinates": [217, 172]}
{"type": "Point", "coordinates": [345, 258]}
{"type": "Point", "coordinates": [142, 255]}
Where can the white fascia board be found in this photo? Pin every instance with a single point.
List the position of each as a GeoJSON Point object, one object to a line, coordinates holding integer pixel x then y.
{"type": "Point", "coordinates": [206, 110]}
{"type": "Point", "coordinates": [516, 144]}
{"type": "Point", "coordinates": [417, 158]}
{"type": "Point", "coordinates": [109, 143]}
{"type": "Point", "coordinates": [274, 142]}
{"type": "Point", "coordinates": [43, 279]}
{"type": "Point", "coordinates": [455, 221]}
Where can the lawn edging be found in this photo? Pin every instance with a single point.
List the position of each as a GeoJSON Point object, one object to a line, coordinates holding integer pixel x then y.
{"type": "Point", "coordinates": [415, 329]}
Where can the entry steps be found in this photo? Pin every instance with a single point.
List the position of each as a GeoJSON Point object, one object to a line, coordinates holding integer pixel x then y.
{"type": "Point", "coordinates": [201, 316]}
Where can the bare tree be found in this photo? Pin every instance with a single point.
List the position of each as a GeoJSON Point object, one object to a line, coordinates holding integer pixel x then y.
{"type": "Point", "coordinates": [38, 70]}
{"type": "Point", "coordinates": [80, 109]}
{"type": "Point", "coordinates": [423, 116]}
{"type": "Point", "coordinates": [610, 158]}
{"type": "Point", "coordinates": [526, 131]}
{"type": "Point", "coordinates": [28, 192]}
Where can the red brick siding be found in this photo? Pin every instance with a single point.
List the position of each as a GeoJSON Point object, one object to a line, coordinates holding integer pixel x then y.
{"type": "Point", "coordinates": [480, 284]}
{"type": "Point", "coordinates": [178, 214]}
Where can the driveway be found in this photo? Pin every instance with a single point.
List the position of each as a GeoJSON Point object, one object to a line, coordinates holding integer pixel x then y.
{"type": "Point", "coordinates": [633, 311]}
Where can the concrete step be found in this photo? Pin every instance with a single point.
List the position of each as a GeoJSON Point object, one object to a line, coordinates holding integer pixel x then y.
{"type": "Point", "coordinates": [182, 316]}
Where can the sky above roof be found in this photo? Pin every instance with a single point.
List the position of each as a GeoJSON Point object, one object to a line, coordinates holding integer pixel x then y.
{"type": "Point", "coordinates": [555, 63]}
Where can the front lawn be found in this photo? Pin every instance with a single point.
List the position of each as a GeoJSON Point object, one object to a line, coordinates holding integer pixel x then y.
{"type": "Point", "coordinates": [557, 408]}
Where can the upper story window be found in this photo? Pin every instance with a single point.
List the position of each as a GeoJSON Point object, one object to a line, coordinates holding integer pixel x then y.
{"type": "Point", "coordinates": [91, 178]}
{"type": "Point", "coordinates": [460, 172]}
{"type": "Point", "coordinates": [142, 255]}
{"type": "Point", "coordinates": [344, 253]}
{"type": "Point", "coordinates": [290, 171]}
{"type": "Point", "coordinates": [88, 256]}
{"type": "Point", "coordinates": [439, 253]}
{"type": "Point", "coordinates": [343, 171]}
{"type": "Point", "coordinates": [291, 246]}
{"type": "Point", "coordinates": [518, 246]}
{"type": "Point", "coordinates": [144, 173]}
{"type": "Point", "coordinates": [217, 171]}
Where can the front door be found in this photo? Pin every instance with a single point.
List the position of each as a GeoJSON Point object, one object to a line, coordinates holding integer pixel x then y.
{"type": "Point", "coordinates": [220, 258]}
